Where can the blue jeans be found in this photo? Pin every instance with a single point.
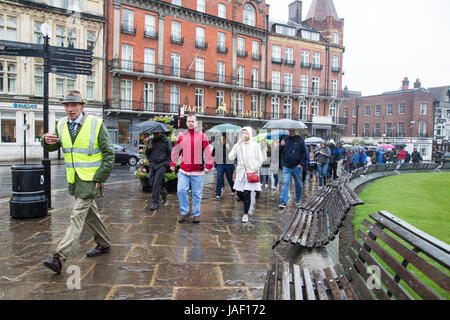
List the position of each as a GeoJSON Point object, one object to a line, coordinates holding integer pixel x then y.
{"type": "Point", "coordinates": [322, 168]}
{"type": "Point", "coordinates": [196, 183]}
{"type": "Point", "coordinates": [228, 170]}
{"type": "Point", "coordinates": [275, 179]}
{"type": "Point", "coordinates": [288, 173]}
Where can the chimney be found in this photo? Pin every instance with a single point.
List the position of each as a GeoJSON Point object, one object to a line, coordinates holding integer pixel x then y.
{"type": "Point", "coordinates": [417, 84]}
{"type": "Point", "coordinates": [405, 83]}
{"type": "Point", "coordinates": [295, 12]}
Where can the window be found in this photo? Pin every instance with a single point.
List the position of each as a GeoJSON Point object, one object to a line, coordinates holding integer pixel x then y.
{"type": "Point", "coordinates": [220, 100]}
{"type": "Point", "coordinates": [38, 38]}
{"type": "Point", "coordinates": [275, 81]}
{"type": "Point", "coordinates": [423, 109]}
{"type": "Point", "coordinates": [287, 108]}
{"type": "Point", "coordinates": [126, 94]}
{"type": "Point", "coordinates": [150, 25]}
{"type": "Point", "coordinates": [254, 104]}
{"type": "Point", "coordinates": [174, 98]}
{"type": "Point", "coordinates": [305, 58]}
{"type": "Point", "coordinates": [176, 2]}
{"type": "Point", "coordinates": [285, 30]}
{"type": "Point", "coordinates": [288, 82]}
{"type": "Point", "coordinates": [60, 87]}
{"type": "Point", "coordinates": [249, 15]}
{"type": "Point", "coordinates": [401, 108]}
{"type": "Point", "coordinates": [275, 108]}
{"type": "Point", "coordinates": [310, 35]}
{"type": "Point", "coordinates": [90, 43]}
{"type": "Point", "coordinates": [124, 136]}
{"type": "Point", "coordinates": [334, 88]}
{"type": "Point", "coordinates": [389, 110]}
{"type": "Point", "coordinates": [276, 53]}
{"type": "Point", "coordinates": [201, 6]}
{"type": "Point", "coordinates": [353, 129]}
{"type": "Point", "coordinates": [377, 111]}
{"type": "Point", "coordinates": [11, 75]}
{"type": "Point", "coordinates": [389, 129]}
{"type": "Point", "coordinates": [335, 63]}
{"type": "Point", "coordinates": [422, 128]}
{"type": "Point", "coordinates": [221, 39]}
{"type": "Point", "coordinates": [345, 113]}
{"type": "Point", "coordinates": [336, 38]}
{"type": "Point", "coordinates": [366, 130]}
{"type": "Point", "coordinates": [255, 49]}
{"type": "Point", "coordinates": [304, 84]}
{"type": "Point", "coordinates": [400, 129]}
{"type": "Point", "coordinates": [175, 64]}
{"type": "Point", "coordinates": [38, 126]}
{"type": "Point", "coordinates": [90, 85]}
{"type": "Point", "coordinates": [240, 75]}
{"type": "Point", "coordinates": [316, 59]}
{"type": "Point", "coordinates": [314, 108]}
{"type": "Point", "coordinates": [239, 104]}
{"type": "Point", "coordinates": [128, 19]}
{"type": "Point", "coordinates": [60, 36]}
{"type": "Point", "coordinates": [222, 11]}
{"type": "Point", "coordinates": [200, 37]}
{"type": "Point", "coordinates": [332, 112]}
{"type": "Point", "coordinates": [255, 77]}
{"type": "Point", "coordinates": [8, 126]}
{"type": "Point", "coordinates": [221, 72]}
{"type": "Point", "coordinates": [354, 113]}
{"type": "Point", "coordinates": [127, 57]}
{"type": "Point", "coordinates": [289, 55]}
{"type": "Point", "coordinates": [315, 85]}
{"type": "Point", "coordinates": [39, 81]}
{"type": "Point", "coordinates": [71, 37]}
{"type": "Point", "coordinates": [303, 111]}
{"type": "Point", "coordinates": [10, 27]}
{"type": "Point", "coordinates": [377, 130]}
{"type": "Point", "coordinates": [367, 111]}
{"type": "Point", "coordinates": [199, 69]}
{"type": "Point", "coordinates": [70, 84]}
{"type": "Point", "coordinates": [149, 60]}
{"type": "Point", "coordinates": [199, 97]}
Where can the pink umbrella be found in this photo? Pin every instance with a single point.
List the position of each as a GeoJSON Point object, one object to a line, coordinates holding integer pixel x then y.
{"type": "Point", "coordinates": [387, 146]}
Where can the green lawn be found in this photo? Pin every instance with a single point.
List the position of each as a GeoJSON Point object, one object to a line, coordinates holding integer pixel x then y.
{"type": "Point", "coordinates": [421, 199]}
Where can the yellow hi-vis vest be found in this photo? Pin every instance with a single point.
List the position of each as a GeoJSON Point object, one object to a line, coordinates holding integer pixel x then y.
{"type": "Point", "coordinates": [83, 156]}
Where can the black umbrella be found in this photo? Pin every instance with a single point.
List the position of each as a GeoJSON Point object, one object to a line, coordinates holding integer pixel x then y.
{"type": "Point", "coordinates": [148, 127]}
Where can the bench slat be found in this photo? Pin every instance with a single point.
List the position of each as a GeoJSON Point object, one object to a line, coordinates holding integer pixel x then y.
{"type": "Point", "coordinates": [292, 225]}
{"type": "Point", "coordinates": [273, 283]}
{"type": "Point", "coordinates": [321, 290]}
{"type": "Point", "coordinates": [307, 228]}
{"type": "Point", "coordinates": [308, 284]}
{"type": "Point", "coordinates": [299, 228]}
{"type": "Point", "coordinates": [297, 283]}
{"type": "Point", "coordinates": [311, 241]}
{"type": "Point", "coordinates": [285, 283]}
{"type": "Point", "coordinates": [344, 282]}
{"type": "Point", "coordinates": [420, 263]}
{"type": "Point", "coordinates": [410, 279]}
{"type": "Point", "coordinates": [333, 284]}
{"type": "Point", "coordinates": [356, 280]}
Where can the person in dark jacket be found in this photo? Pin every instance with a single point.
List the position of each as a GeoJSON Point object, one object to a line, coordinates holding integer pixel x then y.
{"type": "Point", "coordinates": [294, 159]}
{"type": "Point", "coordinates": [334, 158]}
{"type": "Point", "coordinates": [307, 164]}
{"type": "Point", "coordinates": [360, 159]}
{"type": "Point", "coordinates": [322, 156]}
{"type": "Point", "coordinates": [416, 157]}
{"type": "Point", "coordinates": [407, 157]}
{"type": "Point", "coordinates": [223, 165]}
{"type": "Point", "coordinates": [158, 152]}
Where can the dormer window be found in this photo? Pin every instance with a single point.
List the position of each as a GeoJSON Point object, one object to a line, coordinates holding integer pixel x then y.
{"type": "Point", "coordinates": [249, 15]}
{"type": "Point", "coordinates": [336, 38]}
{"type": "Point", "coordinates": [309, 35]}
{"type": "Point", "coordinates": [285, 30]}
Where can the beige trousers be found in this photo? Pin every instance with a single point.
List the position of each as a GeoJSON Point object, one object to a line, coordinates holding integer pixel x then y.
{"type": "Point", "coordinates": [84, 211]}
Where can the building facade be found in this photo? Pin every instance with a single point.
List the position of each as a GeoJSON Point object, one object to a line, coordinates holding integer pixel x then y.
{"type": "Point", "coordinates": [397, 117]}
{"type": "Point", "coordinates": [441, 118]}
{"type": "Point", "coordinates": [75, 23]}
{"type": "Point", "coordinates": [218, 59]}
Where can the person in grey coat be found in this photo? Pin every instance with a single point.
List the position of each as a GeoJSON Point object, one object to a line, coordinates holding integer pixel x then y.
{"type": "Point", "coordinates": [322, 156]}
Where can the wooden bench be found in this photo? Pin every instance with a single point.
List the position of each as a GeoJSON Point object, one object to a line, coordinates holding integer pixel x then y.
{"type": "Point", "coordinates": [354, 279]}
{"type": "Point", "coordinates": [317, 221]}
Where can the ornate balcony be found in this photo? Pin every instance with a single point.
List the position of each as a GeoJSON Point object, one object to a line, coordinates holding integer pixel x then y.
{"type": "Point", "coordinates": [150, 33]}
{"type": "Point", "coordinates": [222, 49]}
{"type": "Point", "coordinates": [176, 38]}
{"type": "Point", "coordinates": [201, 44]}
{"type": "Point", "coordinates": [128, 28]}
{"type": "Point", "coordinates": [242, 53]}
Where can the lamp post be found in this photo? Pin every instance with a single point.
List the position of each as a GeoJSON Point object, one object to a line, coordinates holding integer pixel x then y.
{"type": "Point", "coordinates": [384, 136]}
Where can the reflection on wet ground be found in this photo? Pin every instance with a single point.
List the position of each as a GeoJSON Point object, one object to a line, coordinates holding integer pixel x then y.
{"type": "Point", "coordinates": [152, 256]}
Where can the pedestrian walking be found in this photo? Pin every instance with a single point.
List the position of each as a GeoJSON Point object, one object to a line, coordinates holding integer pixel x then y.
{"type": "Point", "coordinates": [360, 159]}
{"type": "Point", "coordinates": [224, 166]}
{"type": "Point", "coordinates": [312, 162]}
{"type": "Point", "coordinates": [89, 157]}
{"type": "Point", "coordinates": [264, 170]}
{"type": "Point", "coordinates": [322, 157]}
{"type": "Point", "coordinates": [196, 160]}
{"type": "Point", "coordinates": [294, 159]}
{"type": "Point", "coordinates": [158, 153]}
{"type": "Point", "coordinates": [306, 167]}
{"type": "Point", "coordinates": [274, 163]}
{"type": "Point", "coordinates": [335, 155]}
{"type": "Point", "coordinates": [416, 157]}
{"type": "Point", "coordinates": [340, 161]}
{"type": "Point", "coordinates": [249, 160]}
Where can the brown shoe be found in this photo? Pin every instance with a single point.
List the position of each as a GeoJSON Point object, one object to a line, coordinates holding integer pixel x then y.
{"type": "Point", "coordinates": [182, 218]}
{"type": "Point", "coordinates": [196, 219]}
{"type": "Point", "coordinates": [99, 250]}
{"type": "Point", "coordinates": [54, 264]}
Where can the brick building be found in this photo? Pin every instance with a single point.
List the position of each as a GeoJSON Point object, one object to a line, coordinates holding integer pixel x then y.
{"type": "Point", "coordinates": [216, 58]}
{"type": "Point", "coordinates": [441, 118]}
{"type": "Point", "coordinates": [403, 116]}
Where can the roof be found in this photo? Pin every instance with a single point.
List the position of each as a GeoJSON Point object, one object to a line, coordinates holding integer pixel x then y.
{"type": "Point", "coordinates": [321, 9]}
{"type": "Point", "coordinates": [439, 92]}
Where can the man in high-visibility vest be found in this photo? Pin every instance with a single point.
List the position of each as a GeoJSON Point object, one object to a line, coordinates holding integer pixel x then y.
{"type": "Point", "coordinates": [89, 158]}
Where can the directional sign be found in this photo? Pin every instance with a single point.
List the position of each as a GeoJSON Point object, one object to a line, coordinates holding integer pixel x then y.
{"type": "Point", "coordinates": [67, 75]}
{"type": "Point", "coordinates": [70, 57]}
{"type": "Point", "coordinates": [72, 51]}
{"type": "Point", "coordinates": [22, 52]}
{"type": "Point", "coordinates": [70, 70]}
{"type": "Point", "coordinates": [70, 64]}
{"type": "Point", "coordinates": [16, 45]}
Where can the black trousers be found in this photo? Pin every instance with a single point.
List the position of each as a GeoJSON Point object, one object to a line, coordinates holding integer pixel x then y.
{"type": "Point", "coordinates": [155, 177]}
{"type": "Point", "coordinates": [332, 169]}
{"type": "Point", "coordinates": [245, 197]}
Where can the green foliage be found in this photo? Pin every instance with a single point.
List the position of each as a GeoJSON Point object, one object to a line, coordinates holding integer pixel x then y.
{"type": "Point", "coordinates": [358, 142]}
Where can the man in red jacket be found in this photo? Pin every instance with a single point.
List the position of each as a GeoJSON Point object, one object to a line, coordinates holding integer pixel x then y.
{"type": "Point", "coordinates": [196, 160]}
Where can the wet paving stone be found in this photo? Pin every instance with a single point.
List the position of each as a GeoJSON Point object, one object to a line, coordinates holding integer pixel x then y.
{"type": "Point", "coordinates": [49, 291]}
{"type": "Point", "coordinates": [119, 292]}
{"type": "Point", "coordinates": [211, 294]}
{"type": "Point", "coordinates": [244, 275]}
{"type": "Point", "coordinates": [187, 275]}
{"type": "Point", "coordinates": [156, 254]}
{"type": "Point", "coordinates": [120, 273]}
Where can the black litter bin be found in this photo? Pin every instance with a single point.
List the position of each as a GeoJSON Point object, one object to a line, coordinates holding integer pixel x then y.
{"type": "Point", "coordinates": [28, 198]}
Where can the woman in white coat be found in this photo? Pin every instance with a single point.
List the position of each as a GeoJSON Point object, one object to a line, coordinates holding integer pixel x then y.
{"type": "Point", "coordinates": [249, 151]}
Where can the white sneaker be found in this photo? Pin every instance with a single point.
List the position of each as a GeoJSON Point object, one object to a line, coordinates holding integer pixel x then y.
{"type": "Point", "coordinates": [245, 218]}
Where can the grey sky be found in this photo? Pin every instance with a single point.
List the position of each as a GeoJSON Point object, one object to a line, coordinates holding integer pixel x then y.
{"type": "Point", "coordinates": [386, 40]}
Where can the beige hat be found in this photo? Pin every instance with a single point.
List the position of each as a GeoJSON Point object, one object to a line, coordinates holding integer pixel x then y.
{"type": "Point", "coordinates": [331, 141]}
{"type": "Point", "coordinates": [73, 96]}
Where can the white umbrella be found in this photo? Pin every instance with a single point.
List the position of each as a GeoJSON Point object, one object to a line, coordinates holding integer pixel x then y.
{"type": "Point", "coordinates": [284, 124]}
{"type": "Point", "coordinates": [314, 140]}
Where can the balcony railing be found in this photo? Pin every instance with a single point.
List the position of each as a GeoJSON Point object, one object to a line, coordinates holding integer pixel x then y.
{"type": "Point", "coordinates": [201, 44]}
{"type": "Point", "coordinates": [158, 71]}
{"type": "Point", "coordinates": [277, 60]}
{"type": "Point", "coordinates": [128, 28]}
{"type": "Point", "coordinates": [306, 65]}
{"type": "Point", "coordinates": [242, 53]}
{"type": "Point", "coordinates": [317, 66]}
{"type": "Point", "coordinates": [335, 69]}
{"type": "Point", "coordinates": [176, 38]}
{"type": "Point", "coordinates": [289, 62]}
{"type": "Point", "coordinates": [256, 56]}
{"type": "Point", "coordinates": [150, 33]}
{"type": "Point", "coordinates": [222, 49]}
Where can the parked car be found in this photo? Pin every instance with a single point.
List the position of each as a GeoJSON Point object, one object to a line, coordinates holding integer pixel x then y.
{"type": "Point", "coordinates": [124, 155]}
{"type": "Point", "coordinates": [446, 158]}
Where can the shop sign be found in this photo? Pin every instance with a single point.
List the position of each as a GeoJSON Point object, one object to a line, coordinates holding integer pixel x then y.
{"type": "Point", "coordinates": [25, 105]}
